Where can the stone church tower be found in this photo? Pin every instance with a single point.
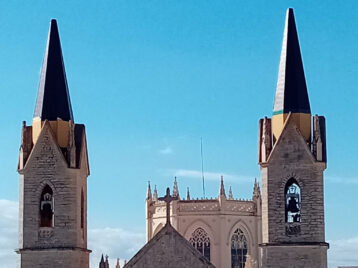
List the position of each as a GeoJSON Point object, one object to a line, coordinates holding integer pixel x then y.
{"type": "Point", "coordinates": [283, 224]}
{"type": "Point", "coordinates": [292, 158]}
{"type": "Point", "coordinates": [53, 168]}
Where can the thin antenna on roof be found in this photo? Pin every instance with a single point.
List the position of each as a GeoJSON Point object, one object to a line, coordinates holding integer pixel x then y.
{"type": "Point", "coordinates": [202, 164]}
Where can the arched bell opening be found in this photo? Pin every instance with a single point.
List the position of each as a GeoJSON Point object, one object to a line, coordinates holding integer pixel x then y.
{"type": "Point", "coordinates": [47, 207]}
{"type": "Point", "coordinates": [292, 201]}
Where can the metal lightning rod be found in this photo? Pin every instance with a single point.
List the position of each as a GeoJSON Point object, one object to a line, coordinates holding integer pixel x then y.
{"type": "Point", "coordinates": [202, 164]}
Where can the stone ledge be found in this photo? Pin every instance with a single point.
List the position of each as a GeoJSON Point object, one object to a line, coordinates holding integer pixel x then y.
{"type": "Point", "coordinates": [298, 244]}
{"type": "Point", "coordinates": [21, 250]}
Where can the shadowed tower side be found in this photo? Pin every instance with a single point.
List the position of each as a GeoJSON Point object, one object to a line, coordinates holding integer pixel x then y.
{"type": "Point", "coordinates": [292, 162]}
{"type": "Point", "coordinates": [53, 168]}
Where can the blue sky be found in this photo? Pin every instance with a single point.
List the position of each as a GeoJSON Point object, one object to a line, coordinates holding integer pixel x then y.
{"type": "Point", "coordinates": [150, 78]}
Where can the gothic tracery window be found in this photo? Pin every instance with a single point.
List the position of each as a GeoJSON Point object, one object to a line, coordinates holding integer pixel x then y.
{"type": "Point", "coordinates": [238, 249]}
{"type": "Point", "coordinates": [201, 241]}
{"type": "Point", "coordinates": [293, 201]}
{"type": "Point", "coordinates": [46, 207]}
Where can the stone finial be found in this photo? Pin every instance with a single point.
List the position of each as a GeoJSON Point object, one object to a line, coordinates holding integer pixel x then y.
{"type": "Point", "coordinates": [187, 194]}
{"type": "Point", "coordinates": [106, 262]}
{"type": "Point", "coordinates": [265, 139]}
{"type": "Point", "coordinates": [175, 188]}
{"type": "Point", "coordinates": [26, 144]}
{"type": "Point", "coordinates": [256, 192]}
{"type": "Point", "coordinates": [71, 147]}
{"type": "Point", "coordinates": [230, 194]}
{"type": "Point", "coordinates": [319, 138]}
{"type": "Point", "coordinates": [222, 188]}
{"type": "Point", "coordinates": [155, 193]}
{"type": "Point", "coordinates": [149, 192]}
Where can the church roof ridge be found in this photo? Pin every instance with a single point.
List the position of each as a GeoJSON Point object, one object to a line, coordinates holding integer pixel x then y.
{"type": "Point", "coordinates": [168, 230]}
{"type": "Point", "coordinates": [291, 91]}
{"type": "Point", "coordinates": [53, 99]}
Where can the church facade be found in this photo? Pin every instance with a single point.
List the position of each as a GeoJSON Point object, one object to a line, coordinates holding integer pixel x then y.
{"type": "Point", "coordinates": [215, 227]}
{"type": "Point", "coordinates": [281, 226]}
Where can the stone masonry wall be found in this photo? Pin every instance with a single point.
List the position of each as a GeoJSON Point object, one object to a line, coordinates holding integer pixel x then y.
{"type": "Point", "coordinates": [298, 244]}
{"type": "Point", "coordinates": [294, 257]}
{"type": "Point", "coordinates": [55, 258]}
{"type": "Point", "coordinates": [291, 159]}
{"type": "Point", "coordinates": [219, 220]}
{"type": "Point", "coordinates": [47, 166]}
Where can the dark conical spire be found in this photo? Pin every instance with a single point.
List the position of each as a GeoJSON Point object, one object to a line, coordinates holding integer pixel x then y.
{"type": "Point", "coordinates": [222, 188]}
{"type": "Point", "coordinates": [291, 91]}
{"type": "Point", "coordinates": [102, 264]}
{"type": "Point", "coordinates": [53, 99]}
{"type": "Point", "coordinates": [149, 192]}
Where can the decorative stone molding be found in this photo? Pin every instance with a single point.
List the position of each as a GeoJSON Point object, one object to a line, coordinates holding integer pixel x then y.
{"type": "Point", "coordinates": [293, 229]}
{"type": "Point", "coordinates": [240, 206]}
{"type": "Point", "coordinates": [205, 206]}
{"type": "Point", "coordinates": [45, 232]}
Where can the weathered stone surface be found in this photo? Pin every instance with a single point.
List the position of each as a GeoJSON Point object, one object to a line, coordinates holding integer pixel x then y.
{"type": "Point", "coordinates": [70, 258]}
{"type": "Point", "coordinates": [294, 256]}
{"type": "Point", "coordinates": [291, 158]}
{"type": "Point", "coordinates": [220, 218]}
{"type": "Point", "coordinates": [168, 249]}
{"type": "Point", "coordinates": [66, 242]}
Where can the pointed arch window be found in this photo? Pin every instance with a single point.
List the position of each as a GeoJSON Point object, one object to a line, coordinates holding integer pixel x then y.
{"type": "Point", "coordinates": [201, 241]}
{"type": "Point", "coordinates": [238, 249]}
{"type": "Point", "coordinates": [47, 207]}
{"type": "Point", "coordinates": [293, 201]}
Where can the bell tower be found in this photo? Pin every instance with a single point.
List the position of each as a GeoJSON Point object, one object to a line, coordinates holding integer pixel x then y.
{"type": "Point", "coordinates": [292, 158]}
{"type": "Point", "coordinates": [53, 168]}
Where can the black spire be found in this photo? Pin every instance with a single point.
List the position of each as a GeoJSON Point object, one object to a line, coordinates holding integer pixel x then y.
{"type": "Point", "coordinates": [53, 99]}
{"type": "Point", "coordinates": [102, 264]}
{"type": "Point", "coordinates": [291, 91]}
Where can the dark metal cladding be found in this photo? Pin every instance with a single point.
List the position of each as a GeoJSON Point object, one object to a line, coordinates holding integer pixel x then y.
{"type": "Point", "coordinates": [53, 99]}
{"type": "Point", "coordinates": [291, 93]}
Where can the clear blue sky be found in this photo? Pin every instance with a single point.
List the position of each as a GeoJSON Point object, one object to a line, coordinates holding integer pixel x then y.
{"type": "Point", "coordinates": [149, 78]}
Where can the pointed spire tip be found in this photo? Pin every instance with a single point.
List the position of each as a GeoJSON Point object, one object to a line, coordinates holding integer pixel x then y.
{"type": "Point", "coordinates": [291, 90]}
{"type": "Point", "coordinates": [53, 99]}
